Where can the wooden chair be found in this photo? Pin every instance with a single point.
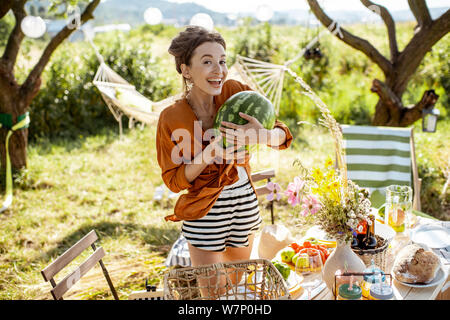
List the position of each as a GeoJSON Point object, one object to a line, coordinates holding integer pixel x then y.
{"type": "Point", "coordinates": [262, 190]}
{"type": "Point", "coordinates": [377, 157]}
{"type": "Point", "coordinates": [67, 257]}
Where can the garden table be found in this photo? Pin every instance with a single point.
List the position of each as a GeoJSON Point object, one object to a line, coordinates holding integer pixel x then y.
{"type": "Point", "coordinates": [401, 291]}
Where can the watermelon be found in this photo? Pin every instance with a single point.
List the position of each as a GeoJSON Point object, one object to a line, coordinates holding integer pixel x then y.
{"type": "Point", "coordinates": [249, 102]}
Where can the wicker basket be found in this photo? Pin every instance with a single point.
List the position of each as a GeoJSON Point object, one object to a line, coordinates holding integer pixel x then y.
{"type": "Point", "coordinates": [259, 280]}
{"type": "Point", "coordinates": [378, 255]}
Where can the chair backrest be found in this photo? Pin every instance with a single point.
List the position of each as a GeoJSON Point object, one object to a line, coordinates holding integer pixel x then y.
{"type": "Point", "coordinates": [261, 175]}
{"type": "Point", "coordinates": [262, 190]}
{"type": "Point", "coordinates": [377, 157]}
{"type": "Point", "coordinates": [67, 257]}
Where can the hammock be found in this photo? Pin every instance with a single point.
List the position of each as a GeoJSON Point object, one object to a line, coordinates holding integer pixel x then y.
{"type": "Point", "coordinates": [265, 77]}
{"type": "Point", "coordinates": [122, 98]}
{"type": "Point", "coordinates": [135, 106]}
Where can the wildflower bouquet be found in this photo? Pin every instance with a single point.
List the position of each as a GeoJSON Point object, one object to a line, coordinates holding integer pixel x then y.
{"type": "Point", "coordinates": [324, 200]}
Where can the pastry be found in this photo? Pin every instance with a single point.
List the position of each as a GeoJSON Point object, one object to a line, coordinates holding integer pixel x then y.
{"type": "Point", "coordinates": [414, 264]}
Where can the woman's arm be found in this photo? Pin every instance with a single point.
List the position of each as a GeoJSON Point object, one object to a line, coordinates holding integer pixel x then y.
{"type": "Point", "coordinates": [193, 170]}
{"type": "Point", "coordinates": [254, 133]}
{"type": "Point", "coordinates": [213, 152]}
{"type": "Point", "coordinates": [276, 137]}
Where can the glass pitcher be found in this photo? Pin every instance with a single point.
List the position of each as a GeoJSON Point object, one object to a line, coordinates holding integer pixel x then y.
{"type": "Point", "coordinates": [398, 207]}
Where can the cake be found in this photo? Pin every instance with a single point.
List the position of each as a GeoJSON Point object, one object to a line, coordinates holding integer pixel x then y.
{"type": "Point", "coordinates": [414, 264]}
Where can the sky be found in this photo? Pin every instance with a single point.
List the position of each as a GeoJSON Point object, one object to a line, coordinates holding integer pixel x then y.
{"type": "Point", "coordinates": [236, 6]}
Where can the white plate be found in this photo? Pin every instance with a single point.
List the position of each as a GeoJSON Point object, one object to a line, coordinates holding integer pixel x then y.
{"type": "Point", "coordinates": [384, 231]}
{"type": "Point", "coordinates": [432, 235]}
{"type": "Point", "coordinates": [440, 276]}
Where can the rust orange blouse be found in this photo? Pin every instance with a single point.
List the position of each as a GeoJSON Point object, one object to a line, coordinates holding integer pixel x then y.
{"type": "Point", "coordinates": [179, 138]}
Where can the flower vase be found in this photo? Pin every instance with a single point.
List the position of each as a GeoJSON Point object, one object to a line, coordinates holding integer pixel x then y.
{"type": "Point", "coordinates": [342, 258]}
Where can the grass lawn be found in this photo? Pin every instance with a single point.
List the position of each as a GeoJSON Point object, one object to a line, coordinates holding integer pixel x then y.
{"type": "Point", "coordinates": [106, 183]}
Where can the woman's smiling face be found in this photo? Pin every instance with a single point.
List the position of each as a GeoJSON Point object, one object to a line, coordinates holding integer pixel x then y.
{"type": "Point", "coordinates": [208, 69]}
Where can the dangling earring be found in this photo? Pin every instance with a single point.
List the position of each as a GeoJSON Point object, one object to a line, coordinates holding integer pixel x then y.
{"type": "Point", "coordinates": [189, 84]}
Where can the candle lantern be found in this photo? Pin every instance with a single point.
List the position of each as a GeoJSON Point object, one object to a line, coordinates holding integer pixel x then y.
{"type": "Point", "coordinates": [429, 119]}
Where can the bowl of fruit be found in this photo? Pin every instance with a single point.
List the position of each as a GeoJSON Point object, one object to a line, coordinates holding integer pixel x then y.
{"type": "Point", "coordinates": [297, 254]}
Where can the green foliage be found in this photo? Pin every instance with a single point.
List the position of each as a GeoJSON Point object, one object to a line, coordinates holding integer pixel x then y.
{"type": "Point", "coordinates": [433, 154]}
{"type": "Point", "coordinates": [255, 41]}
{"type": "Point", "coordinates": [6, 26]}
{"type": "Point", "coordinates": [160, 30]}
{"type": "Point", "coordinates": [69, 105]}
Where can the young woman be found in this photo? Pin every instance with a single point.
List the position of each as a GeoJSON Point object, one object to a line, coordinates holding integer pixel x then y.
{"type": "Point", "coordinates": [220, 210]}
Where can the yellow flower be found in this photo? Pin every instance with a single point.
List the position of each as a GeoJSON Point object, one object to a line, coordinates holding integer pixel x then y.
{"type": "Point", "coordinates": [330, 174]}
{"type": "Point", "coordinates": [328, 188]}
{"type": "Point", "coordinates": [317, 174]}
{"type": "Point", "coordinates": [335, 185]}
{"type": "Point", "coordinates": [328, 162]}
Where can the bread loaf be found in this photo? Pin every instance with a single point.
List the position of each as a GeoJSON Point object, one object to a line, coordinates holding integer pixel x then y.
{"type": "Point", "coordinates": [414, 264]}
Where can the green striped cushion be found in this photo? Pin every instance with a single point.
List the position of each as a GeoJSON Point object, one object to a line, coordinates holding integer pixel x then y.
{"type": "Point", "coordinates": [377, 157]}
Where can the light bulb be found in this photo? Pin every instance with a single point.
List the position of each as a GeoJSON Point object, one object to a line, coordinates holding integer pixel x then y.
{"type": "Point", "coordinates": [153, 16]}
{"type": "Point", "coordinates": [33, 27]}
{"type": "Point", "coordinates": [264, 13]}
{"type": "Point", "coordinates": [203, 20]}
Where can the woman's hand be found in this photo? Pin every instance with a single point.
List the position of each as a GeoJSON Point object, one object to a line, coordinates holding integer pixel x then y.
{"type": "Point", "coordinates": [216, 153]}
{"type": "Point", "coordinates": [250, 133]}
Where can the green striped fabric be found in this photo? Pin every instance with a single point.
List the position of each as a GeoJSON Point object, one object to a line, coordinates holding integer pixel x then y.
{"type": "Point", "coordinates": [377, 157]}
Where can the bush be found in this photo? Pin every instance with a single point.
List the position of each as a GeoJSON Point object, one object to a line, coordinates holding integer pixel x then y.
{"type": "Point", "coordinates": [6, 26]}
{"type": "Point", "coordinates": [255, 41]}
{"type": "Point", "coordinates": [69, 105]}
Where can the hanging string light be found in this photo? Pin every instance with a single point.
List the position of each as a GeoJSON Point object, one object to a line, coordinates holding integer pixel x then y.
{"type": "Point", "coordinates": [33, 26]}
{"type": "Point", "coordinates": [264, 13]}
{"type": "Point", "coordinates": [203, 20]}
{"type": "Point", "coordinates": [153, 16]}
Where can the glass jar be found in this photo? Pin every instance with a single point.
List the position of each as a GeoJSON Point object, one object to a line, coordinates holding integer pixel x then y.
{"type": "Point", "coordinates": [371, 278]}
{"type": "Point", "coordinates": [398, 207]}
{"type": "Point", "coordinates": [381, 291]}
{"type": "Point", "coordinates": [347, 292]}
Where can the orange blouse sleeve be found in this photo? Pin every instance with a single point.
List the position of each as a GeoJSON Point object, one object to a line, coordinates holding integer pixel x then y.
{"type": "Point", "coordinates": [172, 173]}
{"type": "Point", "coordinates": [289, 137]}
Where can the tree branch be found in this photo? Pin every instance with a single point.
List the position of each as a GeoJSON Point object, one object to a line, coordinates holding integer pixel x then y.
{"type": "Point", "coordinates": [400, 115]}
{"type": "Point", "coordinates": [5, 6]}
{"type": "Point", "coordinates": [420, 11]}
{"type": "Point", "coordinates": [390, 24]}
{"type": "Point", "coordinates": [357, 43]}
{"type": "Point", "coordinates": [15, 38]}
{"type": "Point", "coordinates": [421, 43]}
{"type": "Point", "coordinates": [28, 87]}
{"type": "Point", "coordinates": [413, 113]}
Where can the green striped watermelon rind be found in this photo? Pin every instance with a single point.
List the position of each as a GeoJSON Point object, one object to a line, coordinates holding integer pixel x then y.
{"type": "Point", "coordinates": [249, 102]}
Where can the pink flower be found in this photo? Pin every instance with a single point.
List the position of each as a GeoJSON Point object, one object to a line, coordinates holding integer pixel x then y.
{"type": "Point", "coordinates": [293, 191]}
{"type": "Point", "coordinates": [310, 205]}
{"type": "Point", "coordinates": [275, 188]}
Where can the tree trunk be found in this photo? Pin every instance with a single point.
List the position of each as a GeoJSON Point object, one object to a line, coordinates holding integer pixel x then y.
{"type": "Point", "coordinates": [18, 141]}
{"type": "Point", "coordinates": [15, 103]}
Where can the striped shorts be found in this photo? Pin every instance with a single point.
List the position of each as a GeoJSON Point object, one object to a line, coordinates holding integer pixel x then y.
{"type": "Point", "coordinates": [234, 216]}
